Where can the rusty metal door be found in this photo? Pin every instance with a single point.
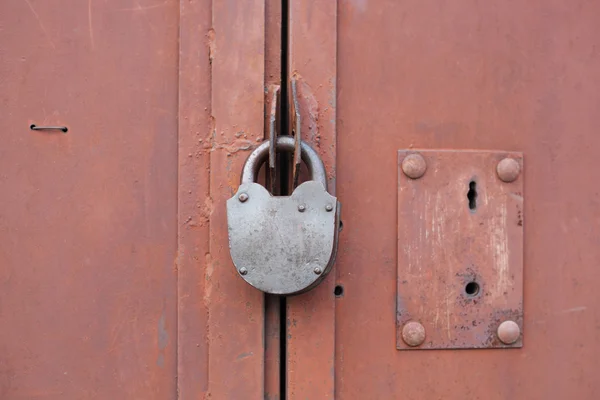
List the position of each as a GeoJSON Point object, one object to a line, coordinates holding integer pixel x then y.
{"type": "Point", "coordinates": [115, 275]}
{"type": "Point", "coordinates": [519, 79]}
{"type": "Point", "coordinates": [112, 254]}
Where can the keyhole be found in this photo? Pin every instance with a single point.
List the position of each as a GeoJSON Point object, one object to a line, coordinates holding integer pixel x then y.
{"type": "Point", "coordinates": [472, 195]}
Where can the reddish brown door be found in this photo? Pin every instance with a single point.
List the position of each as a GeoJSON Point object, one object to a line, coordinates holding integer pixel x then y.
{"type": "Point", "coordinates": [115, 280]}
{"type": "Point", "coordinates": [511, 76]}
{"type": "Point", "coordinates": [115, 275]}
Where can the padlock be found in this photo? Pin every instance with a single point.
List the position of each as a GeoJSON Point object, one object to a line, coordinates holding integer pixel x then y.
{"type": "Point", "coordinates": [283, 245]}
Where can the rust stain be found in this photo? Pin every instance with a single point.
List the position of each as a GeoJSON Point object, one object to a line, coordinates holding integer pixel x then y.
{"type": "Point", "coordinates": [309, 107]}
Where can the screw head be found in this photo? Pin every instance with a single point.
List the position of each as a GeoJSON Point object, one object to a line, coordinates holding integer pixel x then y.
{"type": "Point", "coordinates": [414, 166]}
{"type": "Point", "coordinates": [243, 271]}
{"type": "Point", "coordinates": [301, 207]}
{"type": "Point", "coordinates": [318, 271]}
{"type": "Point", "coordinates": [413, 333]}
{"type": "Point", "coordinates": [243, 197]}
{"type": "Point", "coordinates": [509, 332]}
{"type": "Point", "coordinates": [508, 170]}
{"type": "Point", "coordinates": [329, 207]}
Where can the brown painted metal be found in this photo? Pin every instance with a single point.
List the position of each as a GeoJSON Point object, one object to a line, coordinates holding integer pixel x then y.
{"type": "Point", "coordinates": [460, 259]}
{"type": "Point", "coordinates": [465, 74]}
{"type": "Point", "coordinates": [116, 279]}
{"type": "Point", "coordinates": [311, 316]}
{"type": "Point", "coordinates": [235, 309]}
{"type": "Point", "coordinates": [194, 207]}
{"type": "Point", "coordinates": [88, 218]}
{"type": "Point", "coordinates": [296, 127]}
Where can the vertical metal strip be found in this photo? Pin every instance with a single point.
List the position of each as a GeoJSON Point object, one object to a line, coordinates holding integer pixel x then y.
{"type": "Point", "coordinates": [235, 310]}
{"type": "Point", "coordinates": [311, 316]}
{"type": "Point", "coordinates": [193, 198]}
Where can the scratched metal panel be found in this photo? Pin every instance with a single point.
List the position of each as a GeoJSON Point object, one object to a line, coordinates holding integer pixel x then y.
{"type": "Point", "coordinates": [88, 219]}
{"type": "Point", "coordinates": [467, 74]}
{"type": "Point", "coordinates": [460, 250]}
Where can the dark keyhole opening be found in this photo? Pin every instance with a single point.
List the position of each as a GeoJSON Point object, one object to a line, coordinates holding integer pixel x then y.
{"type": "Point", "coordinates": [472, 195]}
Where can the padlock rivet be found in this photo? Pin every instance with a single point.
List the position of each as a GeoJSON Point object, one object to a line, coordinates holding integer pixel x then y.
{"type": "Point", "coordinates": [243, 197]}
{"type": "Point", "coordinates": [509, 332]}
{"type": "Point", "coordinates": [329, 207]}
{"type": "Point", "coordinates": [243, 271]}
{"type": "Point", "coordinates": [318, 271]}
{"type": "Point", "coordinates": [508, 170]}
{"type": "Point", "coordinates": [301, 207]}
{"type": "Point", "coordinates": [414, 166]}
{"type": "Point", "coordinates": [413, 333]}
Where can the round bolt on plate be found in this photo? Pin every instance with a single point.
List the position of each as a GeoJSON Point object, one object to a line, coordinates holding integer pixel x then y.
{"type": "Point", "coordinates": [301, 207]}
{"type": "Point", "coordinates": [413, 334]}
{"type": "Point", "coordinates": [414, 166]}
{"type": "Point", "coordinates": [318, 271]}
{"type": "Point", "coordinates": [243, 271]}
{"type": "Point", "coordinates": [509, 332]}
{"type": "Point", "coordinates": [508, 169]}
{"type": "Point", "coordinates": [243, 197]}
{"type": "Point", "coordinates": [329, 207]}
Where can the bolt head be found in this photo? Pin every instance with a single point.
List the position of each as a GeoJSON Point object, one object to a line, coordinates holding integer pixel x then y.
{"type": "Point", "coordinates": [508, 170]}
{"type": "Point", "coordinates": [301, 207]}
{"type": "Point", "coordinates": [509, 332]}
{"type": "Point", "coordinates": [243, 271]}
{"type": "Point", "coordinates": [243, 197]}
{"type": "Point", "coordinates": [414, 166]}
{"type": "Point", "coordinates": [329, 207]}
{"type": "Point", "coordinates": [413, 334]}
{"type": "Point", "coordinates": [318, 271]}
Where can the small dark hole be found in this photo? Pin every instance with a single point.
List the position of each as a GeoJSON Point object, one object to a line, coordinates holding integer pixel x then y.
{"type": "Point", "coordinates": [472, 289]}
{"type": "Point", "coordinates": [65, 129]}
{"type": "Point", "coordinates": [341, 225]}
{"type": "Point", "coordinates": [338, 291]}
{"type": "Point", "coordinates": [472, 195]}
{"type": "Point", "coordinates": [31, 126]}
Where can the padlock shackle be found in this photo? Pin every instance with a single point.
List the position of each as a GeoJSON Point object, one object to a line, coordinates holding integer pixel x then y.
{"type": "Point", "coordinates": [255, 160]}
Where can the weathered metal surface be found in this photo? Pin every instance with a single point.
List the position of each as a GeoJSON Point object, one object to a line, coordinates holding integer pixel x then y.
{"type": "Point", "coordinates": [287, 244]}
{"type": "Point", "coordinates": [272, 347]}
{"type": "Point", "coordinates": [282, 245]}
{"type": "Point", "coordinates": [88, 219]}
{"type": "Point", "coordinates": [521, 76]}
{"type": "Point", "coordinates": [296, 127]}
{"type": "Point", "coordinates": [235, 310]}
{"type": "Point", "coordinates": [313, 162]}
{"type": "Point", "coordinates": [194, 207]}
{"type": "Point", "coordinates": [460, 249]}
{"type": "Point", "coordinates": [311, 316]}
{"type": "Point", "coordinates": [273, 106]}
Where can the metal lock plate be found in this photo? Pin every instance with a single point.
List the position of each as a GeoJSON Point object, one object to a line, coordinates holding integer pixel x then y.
{"type": "Point", "coordinates": [283, 245]}
{"type": "Point", "coordinates": [460, 249]}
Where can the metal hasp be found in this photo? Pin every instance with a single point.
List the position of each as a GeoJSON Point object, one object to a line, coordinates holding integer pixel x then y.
{"type": "Point", "coordinates": [283, 245]}
{"type": "Point", "coordinates": [460, 249]}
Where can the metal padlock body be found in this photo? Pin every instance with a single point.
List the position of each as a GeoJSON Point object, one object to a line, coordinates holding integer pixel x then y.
{"type": "Point", "coordinates": [283, 245]}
